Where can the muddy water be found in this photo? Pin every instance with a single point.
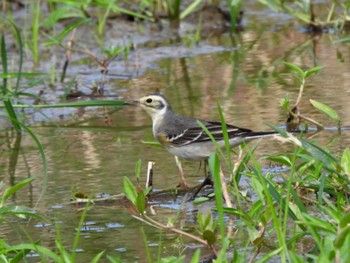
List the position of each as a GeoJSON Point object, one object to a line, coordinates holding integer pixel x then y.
{"type": "Point", "coordinates": [92, 151]}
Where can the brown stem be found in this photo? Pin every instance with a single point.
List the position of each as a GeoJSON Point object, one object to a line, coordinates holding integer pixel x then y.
{"type": "Point", "coordinates": [301, 90]}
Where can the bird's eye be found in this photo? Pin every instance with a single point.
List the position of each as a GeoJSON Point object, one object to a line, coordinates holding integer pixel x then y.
{"type": "Point", "coordinates": [149, 100]}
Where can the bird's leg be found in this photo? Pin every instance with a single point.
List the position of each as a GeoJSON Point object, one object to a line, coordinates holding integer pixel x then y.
{"type": "Point", "coordinates": [183, 184]}
{"type": "Point", "coordinates": [207, 181]}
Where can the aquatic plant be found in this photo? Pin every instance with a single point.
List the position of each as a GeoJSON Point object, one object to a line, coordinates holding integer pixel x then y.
{"type": "Point", "coordinates": [305, 12]}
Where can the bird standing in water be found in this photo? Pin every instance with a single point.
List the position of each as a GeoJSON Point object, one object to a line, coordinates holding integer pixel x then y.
{"type": "Point", "coordinates": [183, 137]}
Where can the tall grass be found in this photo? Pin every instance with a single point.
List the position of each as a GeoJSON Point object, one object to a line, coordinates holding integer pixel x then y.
{"type": "Point", "coordinates": [35, 8]}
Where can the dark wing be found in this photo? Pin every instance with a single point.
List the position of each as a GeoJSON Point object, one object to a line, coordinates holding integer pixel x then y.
{"type": "Point", "coordinates": [197, 134]}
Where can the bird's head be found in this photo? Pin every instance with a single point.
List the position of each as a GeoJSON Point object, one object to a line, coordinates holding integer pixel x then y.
{"type": "Point", "coordinates": [156, 105]}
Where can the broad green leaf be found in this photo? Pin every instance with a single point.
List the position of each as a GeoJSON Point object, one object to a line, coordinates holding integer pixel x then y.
{"type": "Point", "coordinates": [209, 236]}
{"type": "Point", "coordinates": [295, 68]}
{"type": "Point", "coordinates": [141, 202]}
{"type": "Point", "coordinates": [326, 109]}
{"type": "Point", "coordinates": [312, 71]}
{"type": "Point", "coordinates": [130, 190]}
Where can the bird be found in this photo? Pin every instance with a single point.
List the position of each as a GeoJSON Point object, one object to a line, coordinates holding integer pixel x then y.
{"type": "Point", "coordinates": [183, 137]}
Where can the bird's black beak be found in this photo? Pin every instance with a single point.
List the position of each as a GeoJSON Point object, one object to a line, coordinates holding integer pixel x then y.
{"type": "Point", "coordinates": [132, 102]}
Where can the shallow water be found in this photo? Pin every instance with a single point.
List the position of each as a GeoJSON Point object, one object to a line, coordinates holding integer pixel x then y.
{"type": "Point", "coordinates": [93, 150]}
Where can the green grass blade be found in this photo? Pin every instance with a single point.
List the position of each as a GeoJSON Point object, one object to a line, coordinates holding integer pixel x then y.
{"type": "Point", "coordinates": [214, 166]}
{"type": "Point", "coordinates": [20, 211]}
{"type": "Point", "coordinates": [33, 247]}
{"type": "Point", "coordinates": [190, 9]}
{"type": "Point", "coordinates": [345, 161]}
{"type": "Point", "coordinates": [80, 226]}
{"type": "Point", "coordinates": [11, 190]}
{"type": "Point", "coordinates": [85, 103]}
{"type": "Point", "coordinates": [20, 53]}
{"type": "Point", "coordinates": [7, 102]}
{"type": "Point", "coordinates": [225, 134]}
{"type": "Point", "coordinates": [148, 252]}
{"type": "Point", "coordinates": [9, 75]}
{"type": "Point", "coordinates": [4, 63]}
{"type": "Point", "coordinates": [324, 157]}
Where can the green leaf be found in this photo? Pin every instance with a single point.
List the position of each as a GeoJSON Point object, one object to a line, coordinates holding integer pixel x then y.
{"type": "Point", "coordinates": [318, 153]}
{"type": "Point", "coordinates": [344, 233]}
{"type": "Point", "coordinates": [138, 169]}
{"type": "Point", "coordinates": [10, 191]}
{"type": "Point", "coordinates": [67, 11]}
{"type": "Point", "coordinates": [312, 71]}
{"type": "Point", "coordinates": [318, 223]}
{"type": "Point", "coordinates": [141, 202]}
{"type": "Point", "coordinates": [85, 103]}
{"type": "Point", "coordinates": [200, 200]}
{"type": "Point", "coordinates": [209, 236]}
{"type": "Point", "coordinates": [196, 256]}
{"type": "Point", "coordinates": [66, 31]}
{"type": "Point", "coordinates": [345, 220]}
{"type": "Point", "coordinates": [345, 161]}
{"type": "Point", "coordinates": [190, 9]}
{"type": "Point", "coordinates": [130, 190]}
{"type": "Point", "coordinates": [281, 132]}
{"type": "Point", "coordinates": [38, 249]}
{"type": "Point", "coordinates": [214, 166]}
{"type": "Point", "coordinates": [295, 68]}
{"type": "Point", "coordinates": [285, 102]}
{"type": "Point", "coordinates": [326, 109]}
{"type": "Point", "coordinates": [19, 211]}
{"type": "Point", "coordinates": [97, 258]}
{"type": "Point", "coordinates": [9, 75]}
{"type": "Point", "coordinates": [282, 159]}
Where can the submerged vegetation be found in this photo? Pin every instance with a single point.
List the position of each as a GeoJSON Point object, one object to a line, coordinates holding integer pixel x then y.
{"type": "Point", "coordinates": [298, 214]}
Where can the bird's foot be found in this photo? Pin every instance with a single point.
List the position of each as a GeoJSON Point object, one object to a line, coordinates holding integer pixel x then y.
{"type": "Point", "coordinates": [207, 181]}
